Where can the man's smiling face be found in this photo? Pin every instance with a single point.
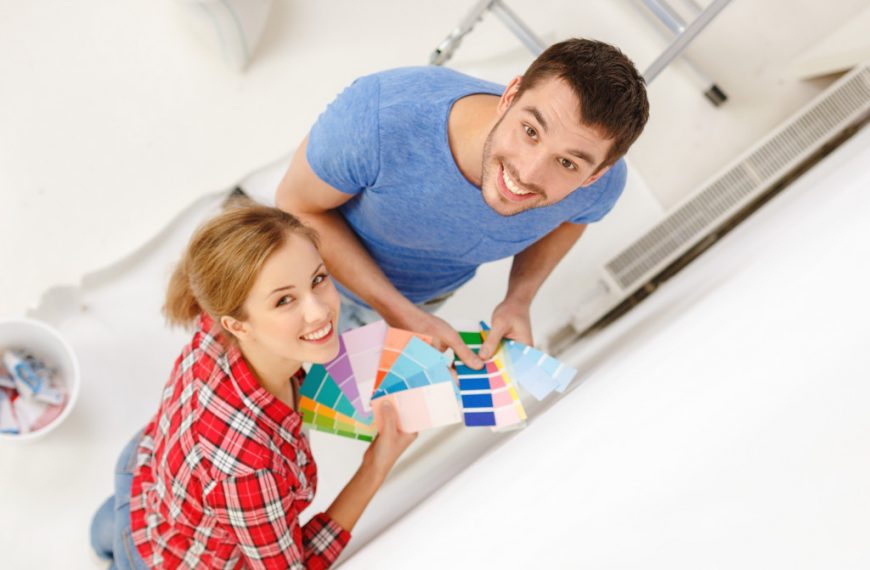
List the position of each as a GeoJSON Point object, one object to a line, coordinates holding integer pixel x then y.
{"type": "Point", "coordinates": [540, 150]}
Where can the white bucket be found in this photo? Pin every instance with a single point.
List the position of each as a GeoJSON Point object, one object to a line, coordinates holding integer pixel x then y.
{"type": "Point", "coordinates": [46, 344]}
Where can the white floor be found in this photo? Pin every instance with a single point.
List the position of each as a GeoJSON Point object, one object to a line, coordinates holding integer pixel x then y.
{"type": "Point", "coordinates": [94, 165]}
{"type": "Point", "coordinates": [721, 424]}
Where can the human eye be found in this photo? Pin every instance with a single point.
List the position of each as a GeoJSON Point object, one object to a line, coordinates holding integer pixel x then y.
{"type": "Point", "coordinates": [565, 163]}
{"type": "Point", "coordinates": [530, 131]}
{"type": "Point", "coordinates": [284, 300]}
{"type": "Point", "coordinates": [319, 278]}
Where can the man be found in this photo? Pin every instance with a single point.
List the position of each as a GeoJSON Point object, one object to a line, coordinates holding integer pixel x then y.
{"type": "Point", "coordinates": [414, 177]}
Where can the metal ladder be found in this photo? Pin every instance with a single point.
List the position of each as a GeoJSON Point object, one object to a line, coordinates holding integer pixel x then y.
{"type": "Point", "coordinates": [683, 34]}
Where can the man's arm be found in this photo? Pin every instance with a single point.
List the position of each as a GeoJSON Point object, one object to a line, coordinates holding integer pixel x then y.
{"type": "Point", "coordinates": [313, 201]}
{"type": "Point", "coordinates": [530, 269]}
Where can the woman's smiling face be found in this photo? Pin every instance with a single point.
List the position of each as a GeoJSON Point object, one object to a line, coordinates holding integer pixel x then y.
{"type": "Point", "coordinates": [292, 309]}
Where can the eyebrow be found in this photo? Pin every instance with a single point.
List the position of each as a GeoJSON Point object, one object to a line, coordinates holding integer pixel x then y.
{"type": "Point", "coordinates": [294, 286]}
{"type": "Point", "coordinates": [578, 153]}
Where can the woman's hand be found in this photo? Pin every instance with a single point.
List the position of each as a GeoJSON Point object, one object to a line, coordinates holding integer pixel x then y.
{"type": "Point", "coordinates": [390, 441]}
{"type": "Point", "coordinates": [379, 458]}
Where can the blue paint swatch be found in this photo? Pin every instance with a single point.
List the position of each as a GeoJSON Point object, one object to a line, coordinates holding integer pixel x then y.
{"type": "Point", "coordinates": [475, 419]}
{"type": "Point", "coordinates": [467, 384]}
{"type": "Point", "coordinates": [477, 400]}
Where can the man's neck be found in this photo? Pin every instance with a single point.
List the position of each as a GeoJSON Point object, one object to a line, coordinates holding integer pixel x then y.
{"type": "Point", "coordinates": [470, 121]}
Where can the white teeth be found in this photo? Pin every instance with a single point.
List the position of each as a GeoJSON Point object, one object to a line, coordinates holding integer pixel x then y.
{"type": "Point", "coordinates": [511, 185]}
{"type": "Point", "coordinates": [319, 334]}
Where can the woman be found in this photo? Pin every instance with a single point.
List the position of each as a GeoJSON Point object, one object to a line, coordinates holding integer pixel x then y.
{"type": "Point", "coordinates": [220, 475]}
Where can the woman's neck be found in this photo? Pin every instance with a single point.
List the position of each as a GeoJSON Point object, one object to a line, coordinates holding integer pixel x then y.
{"type": "Point", "coordinates": [272, 372]}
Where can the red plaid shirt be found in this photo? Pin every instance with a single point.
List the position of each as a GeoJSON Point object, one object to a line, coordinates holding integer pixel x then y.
{"type": "Point", "coordinates": [224, 471]}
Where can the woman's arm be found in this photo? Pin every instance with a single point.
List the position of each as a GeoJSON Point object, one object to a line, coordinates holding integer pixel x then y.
{"type": "Point", "coordinates": [377, 463]}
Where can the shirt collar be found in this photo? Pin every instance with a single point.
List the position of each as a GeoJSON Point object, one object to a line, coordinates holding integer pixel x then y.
{"type": "Point", "coordinates": [214, 341]}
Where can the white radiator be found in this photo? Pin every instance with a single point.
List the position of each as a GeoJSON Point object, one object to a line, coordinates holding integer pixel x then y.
{"type": "Point", "coordinates": [748, 177]}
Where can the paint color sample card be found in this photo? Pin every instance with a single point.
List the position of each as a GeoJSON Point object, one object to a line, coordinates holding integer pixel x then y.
{"type": "Point", "coordinates": [489, 396]}
{"type": "Point", "coordinates": [509, 410]}
{"type": "Point", "coordinates": [418, 365]}
{"type": "Point", "coordinates": [340, 370]}
{"type": "Point", "coordinates": [323, 418]}
{"type": "Point", "coordinates": [394, 343]}
{"type": "Point", "coordinates": [322, 388]}
{"type": "Point", "coordinates": [536, 372]}
{"type": "Point", "coordinates": [475, 391]}
{"type": "Point", "coordinates": [424, 407]}
{"type": "Point", "coordinates": [437, 375]}
{"type": "Point", "coordinates": [508, 414]}
{"type": "Point", "coordinates": [364, 346]}
{"type": "Point", "coordinates": [488, 399]}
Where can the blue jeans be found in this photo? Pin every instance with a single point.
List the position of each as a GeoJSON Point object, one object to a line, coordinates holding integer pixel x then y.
{"type": "Point", "coordinates": [354, 315]}
{"type": "Point", "coordinates": [110, 528]}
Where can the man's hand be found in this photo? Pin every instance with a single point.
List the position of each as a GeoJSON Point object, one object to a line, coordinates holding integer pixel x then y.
{"type": "Point", "coordinates": [529, 270]}
{"type": "Point", "coordinates": [509, 319]}
{"type": "Point", "coordinates": [443, 335]}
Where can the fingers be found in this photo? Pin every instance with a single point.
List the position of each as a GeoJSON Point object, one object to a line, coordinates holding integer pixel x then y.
{"type": "Point", "coordinates": [378, 422]}
{"type": "Point", "coordinates": [465, 354]}
{"type": "Point", "coordinates": [439, 344]}
{"type": "Point", "coordinates": [444, 337]}
{"type": "Point", "coordinates": [388, 417]}
{"type": "Point", "coordinates": [493, 337]}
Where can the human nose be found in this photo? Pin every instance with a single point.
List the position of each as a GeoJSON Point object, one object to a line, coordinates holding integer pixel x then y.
{"type": "Point", "coordinates": [532, 170]}
{"type": "Point", "coordinates": [315, 309]}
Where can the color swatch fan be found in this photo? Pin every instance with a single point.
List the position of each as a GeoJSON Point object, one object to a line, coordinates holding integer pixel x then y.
{"type": "Point", "coordinates": [375, 364]}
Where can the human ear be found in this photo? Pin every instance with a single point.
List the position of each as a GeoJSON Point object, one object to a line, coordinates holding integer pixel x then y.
{"type": "Point", "coordinates": [510, 93]}
{"type": "Point", "coordinates": [594, 177]}
{"type": "Point", "coordinates": [237, 328]}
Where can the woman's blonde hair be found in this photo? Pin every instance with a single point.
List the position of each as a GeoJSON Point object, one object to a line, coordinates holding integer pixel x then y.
{"type": "Point", "coordinates": [223, 259]}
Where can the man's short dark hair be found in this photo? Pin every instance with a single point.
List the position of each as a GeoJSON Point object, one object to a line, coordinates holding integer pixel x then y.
{"type": "Point", "coordinates": [612, 93]}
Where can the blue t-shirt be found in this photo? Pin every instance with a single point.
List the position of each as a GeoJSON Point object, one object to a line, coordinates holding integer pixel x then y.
{"type": "Point", "coordinates": [384, 140]}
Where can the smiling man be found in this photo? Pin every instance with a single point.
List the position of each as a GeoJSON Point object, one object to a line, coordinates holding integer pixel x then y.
{"type": "Point", "coordinates": [414, 177]}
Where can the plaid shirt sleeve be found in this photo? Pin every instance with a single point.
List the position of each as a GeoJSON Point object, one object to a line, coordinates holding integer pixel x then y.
{"type": "Point", "coordinates": [258, 508]}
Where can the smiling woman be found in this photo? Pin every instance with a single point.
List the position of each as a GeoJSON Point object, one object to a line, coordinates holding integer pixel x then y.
{"type": "Point", "coordinates": [223, 471]}
{"type": "Point", "coordinates": [267, 286]}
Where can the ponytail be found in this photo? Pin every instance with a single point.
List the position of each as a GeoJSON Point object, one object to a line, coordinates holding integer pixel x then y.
{"type": "Point", "coordinates": [181, 307]}
{"type": "Point", "coordinates": [222, 261]}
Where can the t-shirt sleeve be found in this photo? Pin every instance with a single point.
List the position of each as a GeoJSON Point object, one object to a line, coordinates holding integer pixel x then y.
{"type": "Point", "coordinates": [343, 145]}
{"type": "Point", "coordinates": [611, 186]}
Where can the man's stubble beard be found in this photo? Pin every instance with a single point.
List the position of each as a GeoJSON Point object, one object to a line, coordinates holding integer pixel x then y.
{"type": "Point", "coordinates": [486, 176]}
